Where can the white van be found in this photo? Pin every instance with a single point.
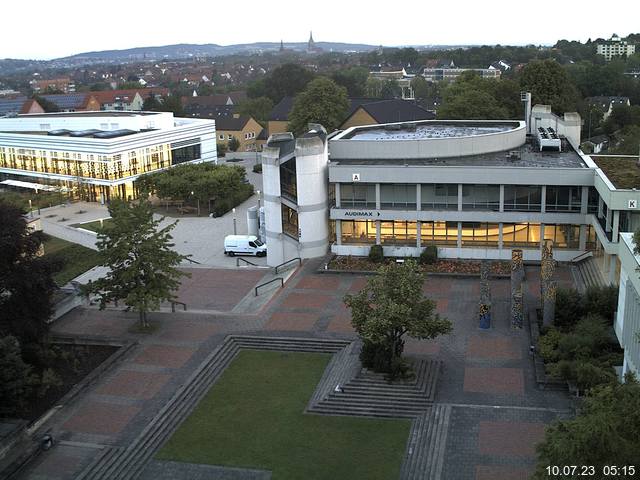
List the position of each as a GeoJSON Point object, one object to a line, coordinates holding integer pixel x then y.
{"type": "Point", "coordinates": [244, 245]}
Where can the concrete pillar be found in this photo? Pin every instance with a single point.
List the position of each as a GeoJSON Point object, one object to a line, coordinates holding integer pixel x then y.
{"type": "Point", "coordinates": [584, 201]}
{"type": "Point", "coordinates": [608, 223]}
{"type": "Point", "coordinates": [418, 197]}
{"type": "Point", "coordinates": [378, 241]}
{"type": "Point", "coordinates": [459, 234]}
{"type": "Point", "coordinates": [500, 241]}
{"type": "Point", "coordinates": [613, 267]}
{"type": "Point", "coordinates": [459, 197]}
{"type": "Point", "coordinates": [583, 238]}
{"type": "Point", "coordinates": [272, 205]}
{"type": "Point", "coordinates": [549, 304]}
{"type": "Point", "coordinates": [501, 202]}
{"type": "Point", "coordinates": [616, 225]}
{"type": "Point", "coordinates": [600, 205]}
{"type": "Point", "coordinates": [339, 232]}
{"type": "Point", "coordinates": [543, 199]}
{"type": "Point", "coordinates": [377, 196]}
{"type": "Point", "coordinates": [337, 192]}
{"type": "Point", "coordinates": [419, 234]}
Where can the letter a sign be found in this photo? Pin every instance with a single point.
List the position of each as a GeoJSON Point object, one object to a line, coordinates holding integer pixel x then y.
{"type": "Point", "coordinates": [356, 177]}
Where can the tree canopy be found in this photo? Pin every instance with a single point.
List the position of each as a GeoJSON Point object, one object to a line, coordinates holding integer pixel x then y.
{"type": "Point", "coordinates": [258, 108]}
{"type": "Point", "coordinates": [286, 80]}
{"type": "Point", "coordinates": [141, 261]}
{"type": "Point", "coordinates": [321, 102]}
{"type": "Point", "coordinates": [26, 284]}
{"type": "Point", "coordinates": [354, 79]}
{"type": "Point", "coordinates": [393, 305]}
{"type": "Point", "coordinates": [605, 432]}
{"type": "Point", "coordinates": [549, 84]}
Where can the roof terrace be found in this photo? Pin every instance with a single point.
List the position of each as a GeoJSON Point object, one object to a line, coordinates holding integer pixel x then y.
{"type": "Point", "coordinates": [622, 171]}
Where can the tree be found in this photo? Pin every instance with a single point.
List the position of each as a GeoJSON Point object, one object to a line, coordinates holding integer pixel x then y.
{"type": "Point", "coordinates": [151, 104]}
{"type": "Point", "coordinates": [142, 265]}
{"type": "Point", "coordinates": [286, 80]}
{"type": "Point", "coordinates": [549, 84]}
{"type": "Point", "coordinates": [354, 79]}
{"type": "Point", "coordinates": [627, 141]}
{"type": "Point", "coordinates": [234, 144]}
{"type": "Point", "coordinates": [26, 285]}
{"type": "Point", "coordinates": [604, 433]}
{"type": "Point", "coordinates": [392, 305]}
{"type": "Point", "coordinates": [321, 102]}
{"type": "Point", "coordinates": [258, 108]}
{"type": "Point", "coordinates": [16, 376]}
{"type": "Point", "coordinates": [390, 89]}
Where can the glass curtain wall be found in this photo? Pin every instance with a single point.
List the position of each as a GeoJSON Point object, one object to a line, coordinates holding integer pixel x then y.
{"type": "Point", "coordinates": [481, 197]}
{"type": "Point", "coordinates": [522, 198]}
{"type": "Point", "coordinates": [358, 195]}
{"type": "Point", "coordinates": [439, 196]}
{"type": "Point", "coordinates": [358, 231]}
{"type": "Point", "coordinates": [563, 199]}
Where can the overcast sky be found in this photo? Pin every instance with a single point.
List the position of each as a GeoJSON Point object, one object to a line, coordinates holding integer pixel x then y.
{"type": "Point", "coordinates": [46, 30]}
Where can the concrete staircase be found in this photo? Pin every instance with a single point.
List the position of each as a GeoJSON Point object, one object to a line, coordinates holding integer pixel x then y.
{"type": "Point", "coordinates": [370, 394]}
{"type": "Point", "coordinates": [588, 274]}
{"type": "Point", "coordinates": [118, 463]}
{"type": "Point", "coordinates": [424, 457]}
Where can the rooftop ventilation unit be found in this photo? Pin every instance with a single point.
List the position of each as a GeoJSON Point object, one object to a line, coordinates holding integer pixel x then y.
{"type": "Point", "coordinates": [548, 138]}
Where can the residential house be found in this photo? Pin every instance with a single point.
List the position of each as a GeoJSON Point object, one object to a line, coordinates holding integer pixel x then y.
{"type": "Point", "coordinates": [64, 85]}
{"type": "Point", "coordinates": [615, 47]}
{"type": "Point", "coordinates": [385, 111]}
{"type": "Point", "coordinates": [229, 123]}
{"type": "Point", "coordinates": [74, 102]}
{"type": "Point", "coordinates": [124, 100]}
{"type": "Point", "coordinates": [607, 104]}
{"type": "Point", "coordinates": [18, 106]}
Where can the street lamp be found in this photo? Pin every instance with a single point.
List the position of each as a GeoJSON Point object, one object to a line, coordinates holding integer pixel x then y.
{"type": "Point", "coordinates": [30, 209]}
{"type": "Point", "coordinates": [258, 191]}
{"type": "Point", "coordinates": [197, 200]}
{"type": "Point", "coordinates": [235, 231]}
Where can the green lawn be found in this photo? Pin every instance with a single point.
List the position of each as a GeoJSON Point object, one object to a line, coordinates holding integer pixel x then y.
{"type": "Point", "coordinates": [93, 226]}
{"type": "Point", "coordinates": [75, 258]}
{"type": "Point", "coordinates": [253, 418]}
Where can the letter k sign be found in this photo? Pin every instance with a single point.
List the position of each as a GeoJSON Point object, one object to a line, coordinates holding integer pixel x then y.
{"type": "Point", "coordinates": [633, 204]}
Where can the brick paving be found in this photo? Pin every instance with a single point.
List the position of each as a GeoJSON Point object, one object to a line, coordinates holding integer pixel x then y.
{"type": "Point", "coordinates": [509, 438]}
{"type": "Point", "coordinates": [101, 418]}
{"type": "Point", "coordinates": [482, 369]}
{"type": "Point", "coordinates": [494, 380]}
{"type": "Point", "coordinates": [131, 384]}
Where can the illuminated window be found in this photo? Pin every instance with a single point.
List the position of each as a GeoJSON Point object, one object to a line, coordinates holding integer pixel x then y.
{"type": "Point", "coordinates": [358, 231]}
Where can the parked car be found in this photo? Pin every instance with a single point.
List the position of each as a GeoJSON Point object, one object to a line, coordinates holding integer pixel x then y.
{"type": "Point", "coordinates": [244, 245]}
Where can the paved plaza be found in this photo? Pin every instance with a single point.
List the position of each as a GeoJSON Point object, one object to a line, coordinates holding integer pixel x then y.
{"type": "Point", "coordinates": [497, 412]}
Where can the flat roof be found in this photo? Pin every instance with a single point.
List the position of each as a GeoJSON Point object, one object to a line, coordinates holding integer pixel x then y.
{"type": "Point", "coordinates": [428, 129]}
{"type": "Point", "coordinates": [527, 155]}
{"type": "Point", "coordinates": [101, 113]}
{"type": "Point", "coordinates": [623, 172]}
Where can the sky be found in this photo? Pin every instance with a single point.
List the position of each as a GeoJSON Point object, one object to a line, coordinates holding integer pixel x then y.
{"type": "Point", "coordinates": [45, 31]}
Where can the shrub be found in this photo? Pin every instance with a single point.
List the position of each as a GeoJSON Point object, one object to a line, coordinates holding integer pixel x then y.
{"type": "Point", "coordinates": [376, 254]}
{"type": "Point", "coordinates": [589, 338]}
{"type": "Point", "coordinates": [602, 301]}
{"type": "Point", "coordinates": [569, 307]}
{"type": "Point", "coordinates": [257, 168]}
{"type": "Point", "coordinates": [429, 255]}
{"type": "Point", "coordinates": [375, 356]}
{"type": "Point", "coordinates": [233, 144]}
{"type": "Point", "coordinates": [50, 379]}
{"type": "Point", "coordinates": [548, 345]}
{"type": "Point", "coordinates": [222, 149]}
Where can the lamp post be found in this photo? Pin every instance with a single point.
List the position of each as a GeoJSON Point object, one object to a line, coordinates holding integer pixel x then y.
{"type": "Point", "coordinates": [198, 201]}
{"type": "Point", "coordinates": [235, 231]}
{"type": "Point", "coordinates": [30, 209]}
{"type": "Point", "coordinates": [258, 192]}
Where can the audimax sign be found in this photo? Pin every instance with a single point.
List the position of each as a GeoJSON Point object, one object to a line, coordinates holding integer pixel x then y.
{"type": "Point", "coordinates": [361, 213]}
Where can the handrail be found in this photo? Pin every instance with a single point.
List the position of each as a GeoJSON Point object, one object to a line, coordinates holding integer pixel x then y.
{"type": "Point", "coordinates": [238, 260]}
{"type": "Point", "coordinates": [583, 254]}
{"type": "Point", "coordinates": [288, 261]}
{"type": "Point", "coordinates": [173, 305]}
{"type": "Point", "coordinates": [192, 261]}
{"type": "Point", "coordinates": [270, 281]}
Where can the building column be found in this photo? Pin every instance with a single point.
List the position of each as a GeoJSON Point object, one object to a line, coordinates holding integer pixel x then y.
{"type": "Point", "coordinates": [541, 236]}
{"type": "Point", "coordinates": [582, 245]}
{"type": "Point", "coordinates": [378, 232]}
{"type": "Point", "coordinates": [501, 209]}
{"type": "Point", "coordinates": [418, 197]}
{"type": "Point", "coordinates": [584, 201]}
{"type": "Point", "coordinates": [338, 232]}
{"type": "Point", "coordinates": [378, 197]}
{"type": "Point", "coordinates": [419, 234]}
{"type": "Point", "coordinates": [459, 234]}
{"type": "Point", "coordinates": [600, 202]}
{"type": "Point", "coordinates": [500, 246]}
{"type": "Point", "coordinates": [608, 221]}
{"type": "Point", "coordinates": [459, 200]}
{"type": "Point", "coordinates": [613, 266]}
{"type": "Point", "coordinates": [337, 193]}
{"type": "Point", "coordinates": [543, 199]}
{"type": "Point", "coordinates": [616, 225]}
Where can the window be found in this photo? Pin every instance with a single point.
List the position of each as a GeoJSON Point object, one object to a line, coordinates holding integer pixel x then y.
{"type": "Point", "coordinates": [439, 196]}
{"type": "Point", "coordinates": [563, 236]}
{"type": "Point", "coordinates": [288, 181]}
{"type": "Point", "coordinates": [289, 221]}
{"type": "Point", "coordinates": [398, 233]}
{"type": "Point", "coordinates": [481, 197]}
{"type": "Point", "coordinates": [521, 235]}
{"type": "Point", "coordinates": [358, 195]}
{"type": "Point", "coordinates": [563, 199]}
{"type": "Point", "coordinates": [522, 198]}
{"type": "Point", "coordinates": [592, 204]}
{"type": "Point", "coordinates": [401, 196]}
{"type": "Point", "coordinates": [439, 233]}
{"type": "Point", "coordinates": [358, 231]}
{"type": "Point", "coordinates": [229, 137]}
{"type": "Point", "coordinates": [483, 234]}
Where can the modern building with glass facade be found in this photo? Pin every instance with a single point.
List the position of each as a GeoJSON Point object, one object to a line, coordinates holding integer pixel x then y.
{"type": "Point", "coordinates": [476, 189]}
{"type": "Point", "coordinates": [99, 155]}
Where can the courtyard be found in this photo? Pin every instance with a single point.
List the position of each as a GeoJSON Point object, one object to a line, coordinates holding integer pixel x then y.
{"type": "Point", "coordinates": [497, 412]}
